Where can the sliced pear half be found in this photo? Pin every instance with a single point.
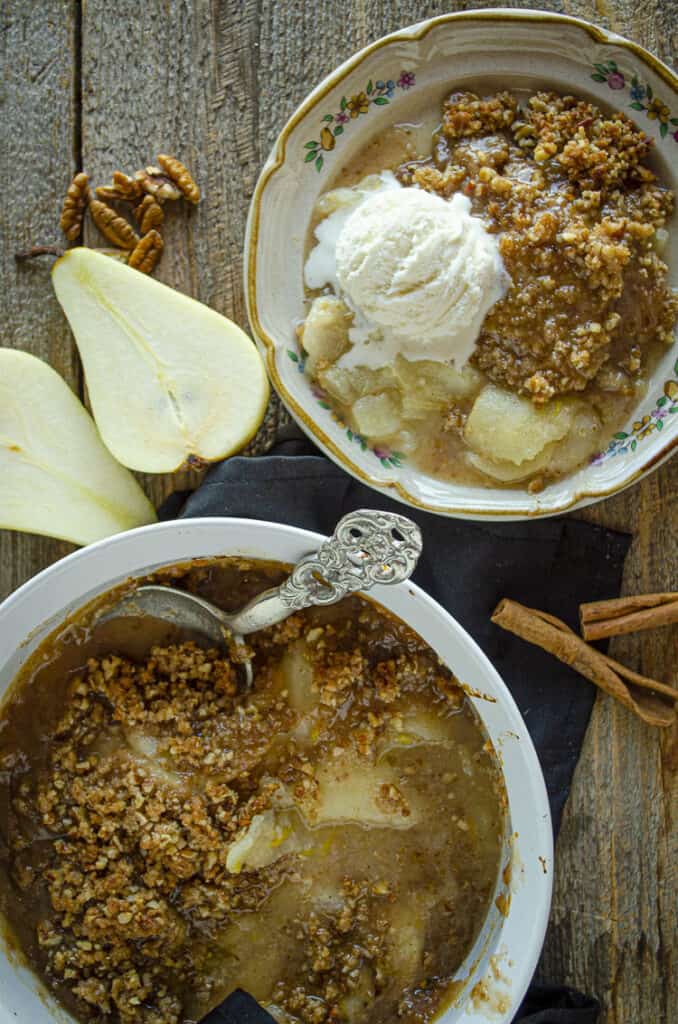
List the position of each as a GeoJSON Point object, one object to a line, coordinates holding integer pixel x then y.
{"type": "Point", "coordinates": [57, 476]}
{"type": "Point", "coordinates": [170, 380]}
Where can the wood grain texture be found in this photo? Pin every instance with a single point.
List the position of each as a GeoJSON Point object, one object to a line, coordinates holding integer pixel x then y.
{"type": "Point", "coordinates": [181, 81]}
{"type": "Point", "coordinates": [213, 81]}
{"type": "Point", "coordinates": [37, 160]}
{"type": "Point", "coordinates": [615, 914]}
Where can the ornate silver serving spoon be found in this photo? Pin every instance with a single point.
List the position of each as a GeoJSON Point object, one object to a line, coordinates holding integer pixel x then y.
{"type": "Point", "coordinates": [367, 547]}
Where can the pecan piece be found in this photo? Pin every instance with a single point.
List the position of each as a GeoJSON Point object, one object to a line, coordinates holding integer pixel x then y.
{"type": "Point", "coordinates": [146, 253]}
{"type": "Point", "coordinates": [129, 188]}
{"type": "Point", "coordinates": [122, 188]}
{"type": "Point", "coordinates": [181, 176]}
{"type": "Point", "coordinates": [106, 193]}
{"type": "Point", "coordinates": [148, 214]}
{"type": "Point", "coordinates": [73, 210]}
{"type": "Point", "coordinates": [157, 184]}
{"type": "Point", "coordinates": [113, 226]}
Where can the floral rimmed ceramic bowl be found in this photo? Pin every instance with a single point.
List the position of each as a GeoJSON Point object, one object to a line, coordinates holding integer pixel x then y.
{"type": "Point", "coordinates": [382, 85]}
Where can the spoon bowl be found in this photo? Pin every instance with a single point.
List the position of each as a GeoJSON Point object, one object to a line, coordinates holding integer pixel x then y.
{"type": "Point", "coordinates": [366, 548]}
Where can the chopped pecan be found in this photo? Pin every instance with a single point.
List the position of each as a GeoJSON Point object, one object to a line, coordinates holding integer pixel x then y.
{"type": "Point", "coordinates": [181, 176]}
{"type": "Point", "coordinates": [113, 226]}
{"type": "Point", "coordinates": [129, 188]}
{"type": "Point", "coordinates": [73, 209]}
{"type": "Point", "coordinates": [106, 193]}
{"type": "Point", "coordinates": [156, 184]}
{"type": "Point", "coordinates": [147, 252]}
{"type": "Point", "coordinates": [148, 214]}
{"type": "Point", "coordinates": [122, 188]}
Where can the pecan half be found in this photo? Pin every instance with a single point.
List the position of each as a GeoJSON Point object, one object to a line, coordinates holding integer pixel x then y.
{"type": "Point", "coordinates": [157, 184]}
{"type": "Point", "coordinates": [181, 176]}
{"type": "Point", "coordinates": [106, 193]}
{"type": "Point", "coordinates": [123, 188]}
{"type": "Point", "coordinates": [129, 188]}
{"type": "Point", "coordinates": [148, 214]}
{"type": "Point", "coordinates": [146, 253]}
{"type": "Point", "coordinates": [73, 210]}
{"type": "Point", "coordinates": [113, 226]}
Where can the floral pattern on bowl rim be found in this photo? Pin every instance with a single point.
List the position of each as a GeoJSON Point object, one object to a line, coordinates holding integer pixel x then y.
{"type": "Point", "coordinates": [387, 456]}
{"type": "Point", "coordinates": [378, 93]}
{"type": "Point", "coordinates": [627, 441]}
{"type": "Point", "coordinates": [641, 95]}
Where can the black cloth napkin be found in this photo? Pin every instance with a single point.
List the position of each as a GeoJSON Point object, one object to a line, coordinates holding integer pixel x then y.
{"type": "Point", "coordinates": [551, 564]}
{"type": "Point", "coordinates": [239, 1008]}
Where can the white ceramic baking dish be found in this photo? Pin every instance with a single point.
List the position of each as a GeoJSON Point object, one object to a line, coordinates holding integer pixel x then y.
{"type": "Point", "coordinates": [515, 926]}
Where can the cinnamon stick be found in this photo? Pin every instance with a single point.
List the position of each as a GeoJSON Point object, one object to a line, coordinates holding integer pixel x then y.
{"type": "Point", "coordinates": [554, 636]}
{"type": "Point", "coordinates": [601, 619]}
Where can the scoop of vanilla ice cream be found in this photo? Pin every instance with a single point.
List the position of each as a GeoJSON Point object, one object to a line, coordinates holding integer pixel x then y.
{"type": "Point", "coordinates": [334, 208]}
{"type": "Point", "coordinates": [421, 268]}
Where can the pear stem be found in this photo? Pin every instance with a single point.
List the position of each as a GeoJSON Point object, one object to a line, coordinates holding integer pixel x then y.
{"type": "Point", "coordinates": [38, 250]}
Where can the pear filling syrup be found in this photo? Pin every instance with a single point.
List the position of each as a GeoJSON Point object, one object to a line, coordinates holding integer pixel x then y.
{"type": "Point", "coordinates": [329, 841]}
{"type": "Point", "coordinates": [492, 308]}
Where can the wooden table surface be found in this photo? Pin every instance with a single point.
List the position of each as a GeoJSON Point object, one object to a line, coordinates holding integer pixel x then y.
{"type": "Point", "coordinates": [102, 86]}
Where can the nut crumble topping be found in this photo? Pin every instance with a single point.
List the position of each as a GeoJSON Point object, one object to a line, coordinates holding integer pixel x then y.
{"type": "Point", "coordinates": [577, 209]}
{"type": "Point", "coordinates": [173, 818]}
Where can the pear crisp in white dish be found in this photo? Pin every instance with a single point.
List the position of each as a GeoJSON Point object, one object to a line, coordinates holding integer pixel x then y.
{"type": "Point", "coordinates": [491, 304]}
{"type": "Point", "coordinates": [331, 840]}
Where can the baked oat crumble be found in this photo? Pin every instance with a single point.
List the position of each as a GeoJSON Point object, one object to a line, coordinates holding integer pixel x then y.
{"type": "Point", "coordinates": [577, 210]}
{"type": "Point", "coordinates": [166, 820]}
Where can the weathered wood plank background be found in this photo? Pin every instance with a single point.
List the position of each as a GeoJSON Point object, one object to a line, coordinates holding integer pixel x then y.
{"type": "Point", "coordinates": [103, 86]}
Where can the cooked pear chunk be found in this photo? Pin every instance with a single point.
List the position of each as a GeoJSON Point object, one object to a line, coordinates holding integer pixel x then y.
{"type": "Point", "coordinates": [507, 472]}
{"type": "Point", "coordinates": [583, 436]}
{"type": "Point", "coordinates": [430, 384]}
{"type": "Point", "coordinates": [557, 458]}
{"type": "Point", "coordinates": [358, 792]}
{"type": "Point", "coordinates": [58, 478]}
{"type": "Point", "coordinates": [505, 427]}
{"type": "Point", "coordinates": [346, 385]}
{"type": "Point", "coordinates": [416, 727]}
{"type": "Point", "coordinates": [144, 749]}
{"type": "Point", "coordinates": [170, 380]}
{"type": "Point", "coordinates": [297, 673]}
{"type": "Point", "coordinates": [325, 331]}
{"type": "Point", "coordinates": [407, 933]}
{"type": "Point", "coordinates": [269, 836]}
{"type": "Point", "coordinates": [338, 383]}
{"type": "Point", "coordinates": [377, 415]}
{"type": "Point", "coordinates": [356, 1004]}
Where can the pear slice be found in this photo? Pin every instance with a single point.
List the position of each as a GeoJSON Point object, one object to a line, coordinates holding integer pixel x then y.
{"type": "Point", "coordinates": [170, 381]}
{"type": "Point", "coordinates": [58, 478]}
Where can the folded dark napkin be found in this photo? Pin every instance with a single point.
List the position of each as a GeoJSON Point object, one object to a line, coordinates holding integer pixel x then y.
{"type": "Point", "coordinates": [239, 1008]}
{"type": "Point", "coordinates": [551, 564]}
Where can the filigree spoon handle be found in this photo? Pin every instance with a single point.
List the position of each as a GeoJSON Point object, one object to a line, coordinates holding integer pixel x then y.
{"type": "Point", "coordinates": [366, 548]}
